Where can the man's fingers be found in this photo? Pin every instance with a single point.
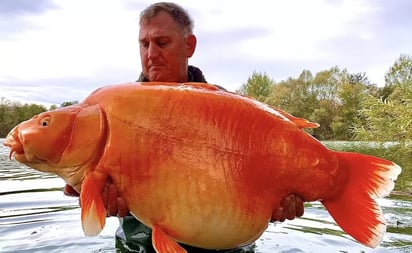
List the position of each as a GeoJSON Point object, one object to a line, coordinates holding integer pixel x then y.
{"type": "Point", "coordinates": [70, 191]}
{"type": "Point", "coordinates": [277, 215]}
{"type": "Point", "coordinates": [291, 209]}
{"type": "Point", "coordinates": [111, 206]}
{"type": "Point", "coordinates": [284, 207]}
{"type": "Point", "coordinates": [122, 209]}
{"type": "Point", "coordinates": [104, 195]}
{"type": "Point", "coordinates": [299, 206]}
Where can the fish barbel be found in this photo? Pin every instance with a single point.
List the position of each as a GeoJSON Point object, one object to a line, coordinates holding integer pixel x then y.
{"type": "Point", "coordinates": [199, 165]}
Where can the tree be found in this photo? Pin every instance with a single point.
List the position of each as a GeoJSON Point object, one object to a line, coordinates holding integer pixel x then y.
{"type": "Point", "coordinates": [400, 73]}
{"type": "Point", "coordinates": [295, 95]}
{"type": "Point", "coordinates": [390, 119]}
{"type": "Point", "coordinates": [327, 105]}
{"type": "Point", "coordinates": [68, 103]}
{"type": "Point", "coordinates": [331, 98]}
{"type": "Point", "coordinates": [12, 113]}
{"type": "Point", "coordinates": [258, 86]}
{"type": "Point", "coordinates": [351, 93]}
{"type": "Point", "coordinates": [5, 117]}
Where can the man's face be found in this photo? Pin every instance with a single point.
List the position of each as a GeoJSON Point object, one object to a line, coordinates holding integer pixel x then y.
{"type": "Point", "coordinates": [164, 49]}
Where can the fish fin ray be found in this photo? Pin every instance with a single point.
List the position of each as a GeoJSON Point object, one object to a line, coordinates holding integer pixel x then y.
{"type": "Point", "coordinates": [163, 243]}
{"type": "Point", "coordinates": [299, 122]}
{"type": "Point", "coordinates": [355, 210]}
{"type": "Point", "coordinates": [93, 211]}
{"type": "Point", "coordinates": [201, 86]}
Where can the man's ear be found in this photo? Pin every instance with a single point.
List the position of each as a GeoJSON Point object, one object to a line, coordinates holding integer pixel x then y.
{"type": "Point", "coordinates": [191, 45]}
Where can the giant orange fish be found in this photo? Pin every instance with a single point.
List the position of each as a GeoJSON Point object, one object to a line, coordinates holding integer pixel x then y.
{"type": "Point", "coordinates": [198, 165]}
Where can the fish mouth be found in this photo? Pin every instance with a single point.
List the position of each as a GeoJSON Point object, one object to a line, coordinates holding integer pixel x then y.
{"type": "Point", "coordinates": [16, 147]}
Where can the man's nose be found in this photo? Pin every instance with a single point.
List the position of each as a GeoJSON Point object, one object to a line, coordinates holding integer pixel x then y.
{"type": "Point", "coordinates": [153, 51]}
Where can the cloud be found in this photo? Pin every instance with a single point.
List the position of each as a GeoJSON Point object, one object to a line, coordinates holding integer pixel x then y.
{"type": "Point", "coordinates": [15, 15]}
{"type": "Point", "coordinates": [18, 7]}
{"type": "Point", "coordinates": [59, 50]}
{"type": "Point", "coordinates": [73, 41]}
{"type": "Point", "coordinates": [395, 12]}
{"type": "Point", "coordinates": [57, 90]}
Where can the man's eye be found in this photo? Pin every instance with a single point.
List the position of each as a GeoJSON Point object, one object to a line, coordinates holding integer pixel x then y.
{"type": "Point", "coordinates": [144, 44]}
{"type": "Point", "coordinates": [162, 43]}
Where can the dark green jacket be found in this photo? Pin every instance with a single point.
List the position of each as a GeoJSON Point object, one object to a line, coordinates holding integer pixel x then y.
{"type": "Point", "coordinates": [133, 236]}
{"type": "Point", "coordinates": [194, 74]}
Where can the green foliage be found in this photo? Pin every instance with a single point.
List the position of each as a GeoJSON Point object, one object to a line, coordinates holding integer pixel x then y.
{"type": "Point", "coordinates": [346, 105]}
{"type": "Point", "coordinates": [12, 114]}
{"type": "Point", "coordinates": [400, 74]}
{"type": "Point", "coordinates": [258, 86]}
{"type": "Point", "coordinates": [331, 98]}
{"type": "Point", "coordinates": [68, 103]}
{"type": "Point", "coordinates": [385, 120]}
{"type": "Point", "coordinates": [351, 92]}
{"type": "Point", "coordinates": [390, 119]}
{"type": "Point", "coordinates": [295, 96]}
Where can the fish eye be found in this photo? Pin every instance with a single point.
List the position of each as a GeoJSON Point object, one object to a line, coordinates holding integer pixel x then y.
{"type": "Point", "coordinates": [45, 121]}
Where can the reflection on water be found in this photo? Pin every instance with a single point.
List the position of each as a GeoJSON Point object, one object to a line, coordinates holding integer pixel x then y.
{"type": "Point", "coordinates": [35, 216]}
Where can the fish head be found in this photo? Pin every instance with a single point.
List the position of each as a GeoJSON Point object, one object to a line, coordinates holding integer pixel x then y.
{"type": "Point", "coordinates": [60, 141]}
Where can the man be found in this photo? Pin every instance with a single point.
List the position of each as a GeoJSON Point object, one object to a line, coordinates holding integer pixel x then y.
{"type": "Point", "coordinates": [167, 42]}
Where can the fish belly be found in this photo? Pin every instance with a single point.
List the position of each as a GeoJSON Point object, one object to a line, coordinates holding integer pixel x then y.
{"type": "Point", "coordinates": [200, 209]}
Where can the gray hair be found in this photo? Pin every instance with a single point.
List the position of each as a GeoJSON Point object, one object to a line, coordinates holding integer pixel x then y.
{"type": "Point", "coordinates": [178, 14]}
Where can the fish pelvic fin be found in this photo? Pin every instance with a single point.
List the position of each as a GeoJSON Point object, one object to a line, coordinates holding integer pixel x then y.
{"type": "Point", "coordinates": [93, 211]}
{"type": "Point", "coordinates": [162, 243]}
{"type": "Point", "coordinates": [356, 210]}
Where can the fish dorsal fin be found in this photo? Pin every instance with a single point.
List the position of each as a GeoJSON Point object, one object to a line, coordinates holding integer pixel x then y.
{"type": "Point", "coordinates": [299, 122]}
{"type": "Point", "coordinates": [204, 86]}
{"type": "Point", "coordinates": [93, 211]}
{"type": "Point", "coordinates": [163, 243]}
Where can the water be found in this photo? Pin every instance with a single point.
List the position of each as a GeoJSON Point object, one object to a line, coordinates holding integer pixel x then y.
{"type": "Point", "coordinates": [35, 216]}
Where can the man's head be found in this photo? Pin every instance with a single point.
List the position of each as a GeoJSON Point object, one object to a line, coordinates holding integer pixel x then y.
{"type": "Point", "coordinates": [166, 42]}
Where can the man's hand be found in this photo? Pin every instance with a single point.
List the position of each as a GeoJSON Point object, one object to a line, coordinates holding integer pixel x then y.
{"type": "Point", "coordinates": [290, 208]}
{"type": "Point", "coordinates": [115, 205]}
{"type": "Point", "coordinates": [69, 191]}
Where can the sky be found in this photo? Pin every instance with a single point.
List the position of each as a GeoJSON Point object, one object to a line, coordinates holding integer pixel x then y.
{"type": "Point", "coordinates": [54, 51]}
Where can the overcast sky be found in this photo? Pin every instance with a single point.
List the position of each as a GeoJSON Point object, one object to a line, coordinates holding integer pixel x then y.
{"type": "Point", "coordinates": [52, 51]}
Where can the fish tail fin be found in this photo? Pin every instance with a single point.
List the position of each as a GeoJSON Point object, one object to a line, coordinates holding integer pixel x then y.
{"type": "Point", "coordinates": [93, 211]}
{"type": "Point", "coordinates": [356, 211]}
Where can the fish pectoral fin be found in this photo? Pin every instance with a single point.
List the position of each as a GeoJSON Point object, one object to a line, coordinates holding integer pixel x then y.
{"type": "Point", "coordinates": [163, 243]}
{"type": "Point", "coordinates": [93, 211]}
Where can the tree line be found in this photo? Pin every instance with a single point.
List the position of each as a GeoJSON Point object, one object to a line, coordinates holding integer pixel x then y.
{"type": "Point", "coordinates": [12, 113]}
{"type": "Point", "coordinates": [346, 105]}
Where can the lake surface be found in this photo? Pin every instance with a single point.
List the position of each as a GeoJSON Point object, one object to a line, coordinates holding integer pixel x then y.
{"type": "Point", "coordinates": [35, 216]}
